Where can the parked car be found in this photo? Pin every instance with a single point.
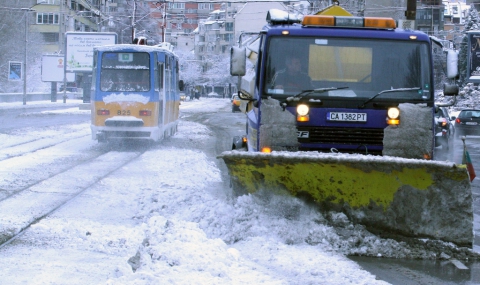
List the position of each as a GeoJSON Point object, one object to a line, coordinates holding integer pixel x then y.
{"type": "Point", "coordinates": [444, 128]}
{"type": "Point", "coordinates": [213, 94]}
{"type": "Point", "coordinates": [183, 97]}
{"type": "Point", "coordinates": [236, 101]}
{"type": "Point", "coordinates": [468, 123]}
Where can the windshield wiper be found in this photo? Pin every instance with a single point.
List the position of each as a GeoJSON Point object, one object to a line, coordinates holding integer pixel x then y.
{"type": "Point", "coordinates": [318, 90]}
{"type": "Point", "coordinates": [386, 91]}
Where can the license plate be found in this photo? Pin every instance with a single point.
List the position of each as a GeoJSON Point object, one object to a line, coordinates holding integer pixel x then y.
{"type": "Point", "coordinates": [471, 123]}
{"type": "Point", "coordinates": [351, 117]}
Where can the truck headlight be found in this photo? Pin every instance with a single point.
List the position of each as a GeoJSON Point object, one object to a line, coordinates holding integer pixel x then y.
{"type": "Point", "coordinates": [393, 113]}
{"type": "Point", "coordinates": [302, 113]}
{"type": "Point", "coordinates": [302, 109]}
{"type": "Point", "coordinates": [393, 116]}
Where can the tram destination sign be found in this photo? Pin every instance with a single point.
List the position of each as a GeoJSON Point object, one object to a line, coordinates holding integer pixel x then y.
{"type": "Point", "coordinates": [79, 49]}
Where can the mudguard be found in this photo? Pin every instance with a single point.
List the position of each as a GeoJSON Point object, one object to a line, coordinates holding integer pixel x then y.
{"type": "Point", "coordinates": [410, 197]}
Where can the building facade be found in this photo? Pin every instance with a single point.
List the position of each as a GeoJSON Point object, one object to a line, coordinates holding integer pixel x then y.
{"type": "Point", "coordinates": [52, 18]}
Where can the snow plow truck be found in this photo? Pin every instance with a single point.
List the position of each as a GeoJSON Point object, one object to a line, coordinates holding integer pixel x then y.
{"type": "Point", "coordinates": [340, 109]}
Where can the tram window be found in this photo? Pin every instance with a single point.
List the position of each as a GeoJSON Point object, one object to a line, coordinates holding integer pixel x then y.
{"type": "Point", "coordinates": [125, 72]}
{"type": "Point", "coordinates": [142, 82]}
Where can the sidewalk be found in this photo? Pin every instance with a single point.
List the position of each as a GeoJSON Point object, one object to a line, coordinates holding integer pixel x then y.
{"type": "Point", "coordinates": [46, 103]}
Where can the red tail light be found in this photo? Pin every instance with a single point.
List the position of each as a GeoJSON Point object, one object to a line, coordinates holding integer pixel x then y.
{"type": "Point", "coordinates": [457, 120]}
{"type": "Point", "coordinates": [103, 112]}
{"type": "Point", "coordinates": [144, 113]}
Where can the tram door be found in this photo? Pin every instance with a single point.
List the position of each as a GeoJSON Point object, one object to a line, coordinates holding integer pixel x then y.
{"type": "Point", "coordinates": [169, 100]}
{"type": "Point", "coordinates": [161, 91]}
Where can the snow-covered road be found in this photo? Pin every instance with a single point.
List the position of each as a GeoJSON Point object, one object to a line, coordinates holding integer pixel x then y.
{"type": "Point", "coordinates": [162, 214]}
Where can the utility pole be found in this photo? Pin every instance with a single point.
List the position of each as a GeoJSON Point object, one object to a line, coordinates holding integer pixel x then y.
{"type": "Point", "coordinates": [133, 19]}
{"type": "Point", "coordinates": [24, 73]}
{"type": "Point", "coordinates": [62, 44]}
{"type": "Point", "coordinates": [411, 12]}
{"type": "Point", "coordinates": [162, 6]}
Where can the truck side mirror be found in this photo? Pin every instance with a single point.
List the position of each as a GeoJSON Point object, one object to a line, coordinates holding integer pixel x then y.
{"type": "Point", "coordinates": [238, 61]}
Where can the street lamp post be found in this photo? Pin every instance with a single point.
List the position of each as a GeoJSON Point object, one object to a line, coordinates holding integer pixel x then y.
{"type": "Point", "coordinates": [24, 73]}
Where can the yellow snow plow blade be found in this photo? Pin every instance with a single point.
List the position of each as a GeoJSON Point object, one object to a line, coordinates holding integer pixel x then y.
{"type": "Point", "coordinates": [416, 198]}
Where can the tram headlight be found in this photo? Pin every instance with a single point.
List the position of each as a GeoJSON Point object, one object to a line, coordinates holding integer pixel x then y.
{"type": "Point", "coordinates": [302, 113]}
{"type": "Point", "coordinates": [393, 116]}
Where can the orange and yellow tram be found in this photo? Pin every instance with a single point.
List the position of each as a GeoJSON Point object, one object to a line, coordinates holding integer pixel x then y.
{"type": "Point", "coordinates": [135, 92]}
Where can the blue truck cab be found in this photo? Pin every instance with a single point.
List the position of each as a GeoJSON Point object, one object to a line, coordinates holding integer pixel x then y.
{"type": "Point", "coordinates": [350, 84]}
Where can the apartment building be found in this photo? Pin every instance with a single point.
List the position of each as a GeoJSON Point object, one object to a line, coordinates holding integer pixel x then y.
{"type": "Point", "coordinates": [177, 21]}
{"type": "Point", "coordinates": [454, 15]}
{"type": "Point", "coordinates": [52, 18]}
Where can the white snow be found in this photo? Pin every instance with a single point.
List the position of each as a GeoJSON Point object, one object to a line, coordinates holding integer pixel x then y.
{"type": "Point", "coordinates": [126, 98]}
{"type": "Point", "coordinates": [124, 118]}
{"type": "Point", "coordinates": [174, 223]}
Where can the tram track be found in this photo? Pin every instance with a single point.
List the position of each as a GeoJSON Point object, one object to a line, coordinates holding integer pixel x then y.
{"type": "Point", "coordinates": [43, 163]}
{"type": "Point", "coordinates": [19, 149]}
{"type": "Point", "coordinates": [35, 145]}
{"type": "Point", "coordinates": [46, 196]}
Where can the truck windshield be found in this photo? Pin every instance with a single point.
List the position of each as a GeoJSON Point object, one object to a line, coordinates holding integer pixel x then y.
{"type": "Point", "coordinates": [361, 67]}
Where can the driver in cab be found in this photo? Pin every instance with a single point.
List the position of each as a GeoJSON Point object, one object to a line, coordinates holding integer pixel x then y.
{"type": "Point", "coordinates": [292, 78]}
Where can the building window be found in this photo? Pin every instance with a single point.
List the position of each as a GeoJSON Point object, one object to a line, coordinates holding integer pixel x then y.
{"type": "Point", "coordinates": [50, 37]}
{"type": "Point", "coordinates": [205, 6]}
{"type": "Point", "coordinates": [229, 27]}
{"type": "Point", "coordinates": [47, 18]}
{"type": "Point", "coordinates": [176, 5]}
{"type": "Point", "coordinates": [228, 37]}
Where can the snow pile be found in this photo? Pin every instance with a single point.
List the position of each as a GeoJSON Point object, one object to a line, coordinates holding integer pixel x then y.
{"type": "Point", "coordinates": [279, 127]}
{"type": "Point", "coordinates": [114, 98]}
{"type": "Point", "coordinates": [468, 98]}
{"type": "Point", "coordinates": [398, 140]}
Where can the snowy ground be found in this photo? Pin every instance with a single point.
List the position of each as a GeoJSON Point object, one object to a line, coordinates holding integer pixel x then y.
{"type": "Point", "coordinates": [173, 223]}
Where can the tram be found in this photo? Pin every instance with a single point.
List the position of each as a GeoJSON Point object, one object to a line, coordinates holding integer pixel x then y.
{"type": "Point", "coordinates": [135, 92]}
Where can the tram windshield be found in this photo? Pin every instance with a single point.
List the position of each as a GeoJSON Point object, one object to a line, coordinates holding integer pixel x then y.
{"type": "Point", "coordinates": [125, 71]}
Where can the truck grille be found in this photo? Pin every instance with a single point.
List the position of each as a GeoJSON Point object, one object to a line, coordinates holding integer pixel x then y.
{"type": "Point", "coordinates": [344, 136]}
